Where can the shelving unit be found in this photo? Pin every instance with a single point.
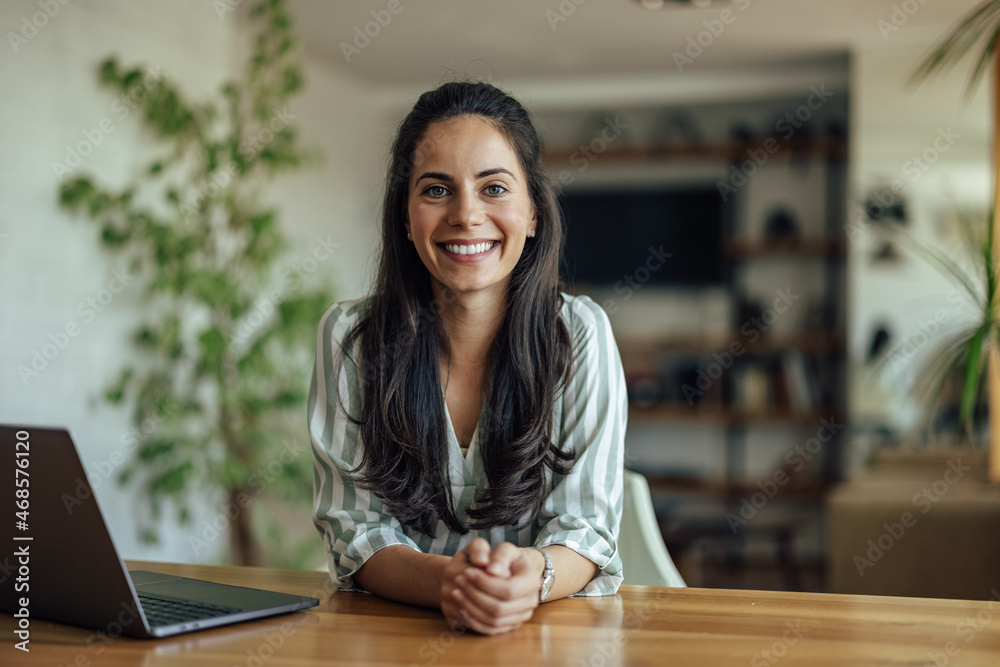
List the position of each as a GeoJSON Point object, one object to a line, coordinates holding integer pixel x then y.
{"type": "Point", "coordinates": [815, 352]}
{"type": "Point", "coordinates": [805, 248]}
{"type": "Point", "coordinates": [820, 147]}
{"type": "Point", "coordinates": [680, 413]}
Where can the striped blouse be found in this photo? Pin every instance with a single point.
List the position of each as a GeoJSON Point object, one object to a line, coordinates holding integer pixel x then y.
{"type": "Point", "coordinates": [581, 510]}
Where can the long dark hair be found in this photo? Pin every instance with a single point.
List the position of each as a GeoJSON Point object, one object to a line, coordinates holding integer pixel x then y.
{"type": "Point", "coordinates": [399, 338]}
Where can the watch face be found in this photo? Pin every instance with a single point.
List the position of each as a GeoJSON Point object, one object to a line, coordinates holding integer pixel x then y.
{"type": "Point", "coordinates": [548, 577]}
{"type": "Point", "coordinates": [547, 585]}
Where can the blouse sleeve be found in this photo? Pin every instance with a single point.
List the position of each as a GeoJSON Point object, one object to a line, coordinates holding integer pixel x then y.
{"type": "Point", "coordinates": [583, 509]}
{"type": "Point", "coordinates": [350, 519]}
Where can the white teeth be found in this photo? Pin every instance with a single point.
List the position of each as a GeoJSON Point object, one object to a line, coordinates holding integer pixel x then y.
{"type": "Point", "coordinates": [474, 249]}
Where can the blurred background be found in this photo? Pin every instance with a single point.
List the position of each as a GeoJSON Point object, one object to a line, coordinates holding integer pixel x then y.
{"type": "Point", "coordinates": [745, 184]}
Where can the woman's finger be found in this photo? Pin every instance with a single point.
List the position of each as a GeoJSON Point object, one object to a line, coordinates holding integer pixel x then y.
{"type": "Point", "coordinates": [478, 552]}
{"type": "Point", "coordinates": [469, 596]}
{"type": "Point", "coordinates": [475, 619]}
{"type": "Point", "coordinates": [523, 584]}
{"type": "Point", "coordinates": [502, 559]}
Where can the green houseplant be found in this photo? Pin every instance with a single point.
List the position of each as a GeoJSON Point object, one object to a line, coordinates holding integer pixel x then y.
{"type": "Point", "coordinates": [956, 366]}
{"type": "Point", "coordinates": [977, 36]}
{"type": "Point", "coordinates": [218, 386]}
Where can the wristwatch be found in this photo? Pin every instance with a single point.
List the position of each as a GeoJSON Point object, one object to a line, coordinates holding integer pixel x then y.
{"type": "Point", "coordinates": [548, 577]}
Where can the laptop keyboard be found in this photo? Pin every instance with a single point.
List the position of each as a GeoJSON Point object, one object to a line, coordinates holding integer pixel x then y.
{"type": "Point", "coordinates": [164, 611]}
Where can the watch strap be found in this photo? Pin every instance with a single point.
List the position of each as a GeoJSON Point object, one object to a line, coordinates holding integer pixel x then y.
{"type": "Point", "coordinates": [548, 576]}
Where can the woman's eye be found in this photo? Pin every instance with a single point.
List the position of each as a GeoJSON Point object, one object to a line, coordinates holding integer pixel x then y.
{"type": "Point", "coordinates": [495, 189]}
{"type": "Point", "coordinates": [436, 191]}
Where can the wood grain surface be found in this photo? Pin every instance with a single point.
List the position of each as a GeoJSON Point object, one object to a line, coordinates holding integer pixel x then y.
{"type": "Point", "coordinates": [639, 626]}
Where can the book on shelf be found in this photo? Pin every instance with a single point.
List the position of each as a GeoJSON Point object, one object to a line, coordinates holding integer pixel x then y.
{"type": "Point", "coordinates": [802, 384]}
{"type": "Point", "coordinates": [753, 388]}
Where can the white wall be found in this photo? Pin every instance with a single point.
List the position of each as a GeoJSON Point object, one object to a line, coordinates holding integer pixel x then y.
{"type": "Point", "coordinates": [340, 200]}
{"type": "Point", "coordinates": [892, 123]}
{"type": "Point", "coordinates": [51, 261]}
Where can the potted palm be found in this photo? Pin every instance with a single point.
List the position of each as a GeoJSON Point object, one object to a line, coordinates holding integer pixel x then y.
{"type": "Point", "coordinates": [977, 36]}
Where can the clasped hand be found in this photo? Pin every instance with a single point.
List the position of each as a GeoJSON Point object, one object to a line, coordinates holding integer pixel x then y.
{"type": "Point", "coordinates": [491, 591]}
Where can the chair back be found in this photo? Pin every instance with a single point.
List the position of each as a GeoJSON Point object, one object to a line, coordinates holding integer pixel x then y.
{"type": "Point", "coordinates": [645, 560]}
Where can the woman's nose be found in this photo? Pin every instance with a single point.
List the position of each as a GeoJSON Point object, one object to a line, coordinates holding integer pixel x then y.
{"type": "Point", "coordinates": [466, 210]}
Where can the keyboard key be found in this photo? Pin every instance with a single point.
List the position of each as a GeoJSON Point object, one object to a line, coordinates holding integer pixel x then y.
{"type": "Point", "coordinates": [161, 611]}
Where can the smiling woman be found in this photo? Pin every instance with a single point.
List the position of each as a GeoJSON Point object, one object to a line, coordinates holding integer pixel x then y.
{"type": "Point", "coordinates": [468, 418]}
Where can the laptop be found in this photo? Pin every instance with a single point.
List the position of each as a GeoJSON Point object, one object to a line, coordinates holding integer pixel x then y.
{"type": "Point", "coordinates": [59, 563]}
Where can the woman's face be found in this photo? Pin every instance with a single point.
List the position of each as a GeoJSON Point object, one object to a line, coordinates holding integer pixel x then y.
{"type": "Point", "coordinates": [469, 211]}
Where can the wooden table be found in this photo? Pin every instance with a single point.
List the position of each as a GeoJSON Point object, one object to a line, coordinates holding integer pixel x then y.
{"type": "Point", "coordinates": [639, 626]}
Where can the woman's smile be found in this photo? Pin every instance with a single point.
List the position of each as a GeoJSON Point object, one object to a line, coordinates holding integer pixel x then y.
{"type": "Point", "coordinates": [473, 250]}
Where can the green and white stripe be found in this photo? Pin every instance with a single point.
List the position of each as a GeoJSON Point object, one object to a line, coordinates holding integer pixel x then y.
{"type": "Point", "coordinates": [581, 511]}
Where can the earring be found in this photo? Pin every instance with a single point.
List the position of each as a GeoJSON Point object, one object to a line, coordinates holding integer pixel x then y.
{"type": "Point", "coordinates": [531, 234]}
{"type": "Point", "coordinates": [408, 237]}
